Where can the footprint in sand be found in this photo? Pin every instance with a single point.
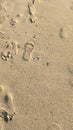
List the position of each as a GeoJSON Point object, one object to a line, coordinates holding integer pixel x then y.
{"type": "Point", "coordinates": [54, 126]}
{"type": "Point", "coordinates": [10, 50]}
{"type": "Point", "coordinates": [32, 12]}
{"type": "Point", "coordinates": [28, 49]}
{"type": "Point", "coordinates": [7, 108]}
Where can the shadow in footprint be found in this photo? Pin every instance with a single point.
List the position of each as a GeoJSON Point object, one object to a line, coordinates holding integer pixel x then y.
{"type": "Point", "coordinates": [28, 49]}
{"type": "Point", "coordinates": [6, 98]}
{"type": "Point", "coordinates": [5, 116]}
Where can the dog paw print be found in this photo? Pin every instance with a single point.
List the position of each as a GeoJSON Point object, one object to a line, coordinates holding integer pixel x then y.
{"type": "Point", "coordinates": [4, 114]}
{"type": "Point", "coordinates": [7, 108]}
{"type": "Point", "coordinates": [10, 50]}
{"type": "Point", "coordinates": [32, 12]}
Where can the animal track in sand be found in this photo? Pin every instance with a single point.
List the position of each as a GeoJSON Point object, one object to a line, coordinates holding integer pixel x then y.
{"type": "Point", "coordinates": [54, 126]}
{"type": "Point", "coordinates": [28, 49]}
{"type": "Point", "coordinates": [6, 99]}
{"type": "Point", "coordinates": [32, 12]}
{"type": "Point", "coordinates": [5, 115]}
{"type": "Point", "coordinates": [31, 8]}
{"type": "Point", "coordinates": [11, 49]}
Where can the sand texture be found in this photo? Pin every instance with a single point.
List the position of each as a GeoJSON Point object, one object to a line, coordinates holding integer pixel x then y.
{"type": "Point", "coordinates": [36, 65]}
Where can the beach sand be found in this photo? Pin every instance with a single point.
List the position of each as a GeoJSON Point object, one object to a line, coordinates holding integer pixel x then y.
{"type": "Point", "coordinates": [36, 64]}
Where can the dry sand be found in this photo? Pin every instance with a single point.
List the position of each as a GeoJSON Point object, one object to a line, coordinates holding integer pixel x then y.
{"type": "Point", "coordinates": [36, 65]}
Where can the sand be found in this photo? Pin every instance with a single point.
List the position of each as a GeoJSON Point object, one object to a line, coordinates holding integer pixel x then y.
{"type": "Point", "coordinates": [36, 65]}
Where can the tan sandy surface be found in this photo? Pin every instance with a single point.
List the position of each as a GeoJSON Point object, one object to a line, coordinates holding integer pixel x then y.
{"type": "Point", "coordinates": [36, 65]}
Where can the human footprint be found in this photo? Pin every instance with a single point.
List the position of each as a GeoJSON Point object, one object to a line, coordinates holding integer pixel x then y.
{"type": "Point", "coordinates": [28, 49]}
